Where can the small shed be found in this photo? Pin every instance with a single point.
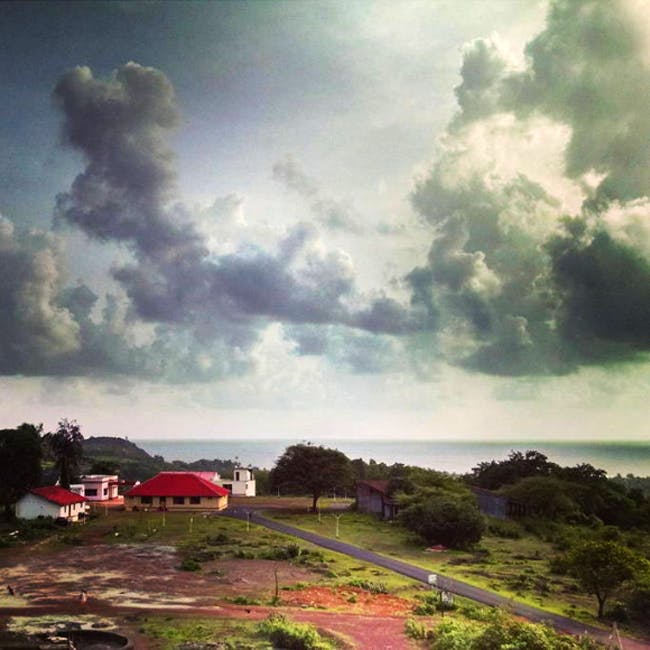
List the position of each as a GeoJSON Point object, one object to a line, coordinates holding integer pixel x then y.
{"type": "Point", "coordinates": [497, 505]}
{"type": "Point", "coordinates": [51, 501]}
{"type": "Point", "coordinates": [372, 496]}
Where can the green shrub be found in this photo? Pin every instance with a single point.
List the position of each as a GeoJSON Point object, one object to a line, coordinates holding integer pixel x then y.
{"type": "Point", "coordinates": [292, 636]}
{"type": "Point", "coordinates": [503, 631]}
{"type": "Point", "coordinates": [416, 630]}
{"type": "Point", "coordinates": [242, 600]}
{"type": "Point", "coordinates": [504, 528]}
{"type": "Point", "coordinates": [367, 585]}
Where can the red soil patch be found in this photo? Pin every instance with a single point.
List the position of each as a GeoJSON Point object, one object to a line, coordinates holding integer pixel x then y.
{"type": "Point", "coordinates": [127, 579]}
{"type": "Point", "coordinates": [350, 599]}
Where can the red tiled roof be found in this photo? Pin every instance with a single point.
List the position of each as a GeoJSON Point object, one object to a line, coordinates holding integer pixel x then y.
{"type": "Point", "coordinates": [378, 485]}
{"type": "Point", "coordinates": [58, 495]}
{"type": "Point", "coordinates": [177, 484]}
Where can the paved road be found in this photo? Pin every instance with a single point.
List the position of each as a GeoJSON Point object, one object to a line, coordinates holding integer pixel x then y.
{"type": "Point", "coordinates": [458, 587]}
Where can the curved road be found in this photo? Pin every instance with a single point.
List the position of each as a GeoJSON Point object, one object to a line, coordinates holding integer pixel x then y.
{"type": "Point", "coordinates": [458, 587]}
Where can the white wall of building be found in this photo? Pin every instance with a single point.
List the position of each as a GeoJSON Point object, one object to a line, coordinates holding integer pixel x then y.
{"type": "Point", "coordinates": [99, 487]}
{"type": "Point", "coordinates": [32, 506]}
{"type": "Point", "coordinates": [242, 484]}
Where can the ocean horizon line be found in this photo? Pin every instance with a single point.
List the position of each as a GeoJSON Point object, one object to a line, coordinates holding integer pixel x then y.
{"type": "Point", "coordinates": [454, 456]}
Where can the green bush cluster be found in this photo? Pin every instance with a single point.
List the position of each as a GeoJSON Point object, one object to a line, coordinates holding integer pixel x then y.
{"type": "Point", "coordinates": [292, 636]}
{"type": "Point", "coordinates": [417, 630]}
{"type": "Point", "coordinates": [431, 603]}
{"type": "Point", "coordinates": [368, 585]}
{"type": "Point", "coordinates": [504, 632]}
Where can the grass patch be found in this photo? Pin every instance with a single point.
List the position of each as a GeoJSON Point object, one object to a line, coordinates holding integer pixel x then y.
{"type": "Point", "coordinates": [169, 633]}
{"type": "Point", "coordinates": [510, 560]}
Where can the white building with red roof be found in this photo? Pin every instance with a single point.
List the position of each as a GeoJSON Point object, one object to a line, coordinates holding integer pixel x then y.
{"type": "Point", "coordinates": [176, 491]}
{"type": "Point", "coordinates": [51, 501]}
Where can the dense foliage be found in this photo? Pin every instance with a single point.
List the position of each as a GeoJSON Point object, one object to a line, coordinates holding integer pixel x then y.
{"type": "Point", "coordinates": [292, 636]}
{"type": "Point", "coordinates": [65, 447]}
{"type": "Point", "coordinates": [310, 469]}
{"type": "Point", "coordinates": [502, 632]}
{"type": "Point", "coordinates": [579, 494]}
{"type": "Point", "coordinates": [602, 567]}
{"type": "Point", "coordinates": [20, 463]}
{"type": "Point", "coordinates": [447, 520]}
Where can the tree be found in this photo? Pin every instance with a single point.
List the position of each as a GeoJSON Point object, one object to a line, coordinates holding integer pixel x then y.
{"type": "Point", "coordinates": [20, 463]}
{"type": "Point", "coordinates": [310, 469]}
{"type": "Point", "coordinates": [494, 474]}
{"type": "Point", "coordinates": [447, 520]}
{"type": "Point", "coordinates": [545, 496]}
{"type": "Point", "coordinates": [601, 567]}
{"type": "Point", "coordinates": [65, 445]}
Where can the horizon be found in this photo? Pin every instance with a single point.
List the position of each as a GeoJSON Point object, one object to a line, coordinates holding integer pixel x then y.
{"type": "Point", "coordinates": [327, 219]}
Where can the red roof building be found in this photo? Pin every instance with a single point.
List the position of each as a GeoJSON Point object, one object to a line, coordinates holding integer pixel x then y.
{"type": "Point", "coordinates": [51, 501]}
{"type": "Point", "coordinates": [177, 491]}
{"type": "Point", "coordinates": [58, 495]}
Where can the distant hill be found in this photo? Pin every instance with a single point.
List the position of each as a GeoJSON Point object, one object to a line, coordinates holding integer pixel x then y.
{"type": "Point", "coordinates": [114, 447]}
{"type": "Point", "coordinates": [106, 454]}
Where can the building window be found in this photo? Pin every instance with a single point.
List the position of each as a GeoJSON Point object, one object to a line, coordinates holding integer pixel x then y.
{"type": "Point", "coordinates": [236, 476]}
{"type": "Point", "coordinates": [146, 500]}
{"type": "Point", "coordinates": [178, 501]}
{"type": "Point", "coordinates": [91, 492]}
{"type": "Point", "coordinates": [105, 491]}
{"type": "Point", "coordinates": [195, 500]}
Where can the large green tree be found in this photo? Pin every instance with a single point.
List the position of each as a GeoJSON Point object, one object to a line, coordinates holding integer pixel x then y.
{"type": "Point", "coordinates": [310, 469]}
{"type": "Point", "coordinates": [601, 567]}
{"type": "Point", "coordinates": [443, 519]}
{"type": "Point", "coordinates": [65, 446]}
{"type": "Point", "coordinates": [20, 463]}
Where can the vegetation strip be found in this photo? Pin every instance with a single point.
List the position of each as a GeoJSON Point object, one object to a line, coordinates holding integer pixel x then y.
{"type": "Point", "coordinates": [450, 584]}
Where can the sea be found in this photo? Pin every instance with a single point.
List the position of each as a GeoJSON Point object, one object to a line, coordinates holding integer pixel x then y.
{"type": "Point", "coordinates": [446, 456]}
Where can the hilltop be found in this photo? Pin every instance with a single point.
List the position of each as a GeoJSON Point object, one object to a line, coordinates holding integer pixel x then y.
{"type": "Point", "coordinates": [107, 454]}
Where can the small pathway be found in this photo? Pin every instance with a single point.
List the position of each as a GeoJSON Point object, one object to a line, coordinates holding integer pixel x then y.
{"type": "Point", "coordinates": [453, 585]}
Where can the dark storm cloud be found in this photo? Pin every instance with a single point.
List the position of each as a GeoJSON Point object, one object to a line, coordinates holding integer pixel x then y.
{"type": "Point", "coordinates": [125, 193]}
{"type": "Point", "coordinates": [527, 299]}
{"type": "Point", "coordinates": [607, 287]}
{"type": "Point", "coordinates": [121, 126]}
{"type": "Point", "coordinates": [50, 329]}
{"type": "Point", "coordinates": [587, 70]}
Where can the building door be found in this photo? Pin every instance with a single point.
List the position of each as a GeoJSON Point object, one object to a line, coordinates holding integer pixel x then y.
{"type": "Point", "coordinates": [163, 503]}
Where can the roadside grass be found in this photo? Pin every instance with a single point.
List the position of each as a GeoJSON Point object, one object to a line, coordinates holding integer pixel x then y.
{"type": "Point", "coordinates": [514, 564]}
{"type": "Point", "coordinates": [170, 632]}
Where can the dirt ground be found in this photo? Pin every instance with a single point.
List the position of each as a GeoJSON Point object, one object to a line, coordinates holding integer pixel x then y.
{"type": "Point", "coordinates": [132, 578]}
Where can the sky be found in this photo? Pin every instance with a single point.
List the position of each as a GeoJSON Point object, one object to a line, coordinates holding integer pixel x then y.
{"type": "Point", "coordinates": [326, 219]}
